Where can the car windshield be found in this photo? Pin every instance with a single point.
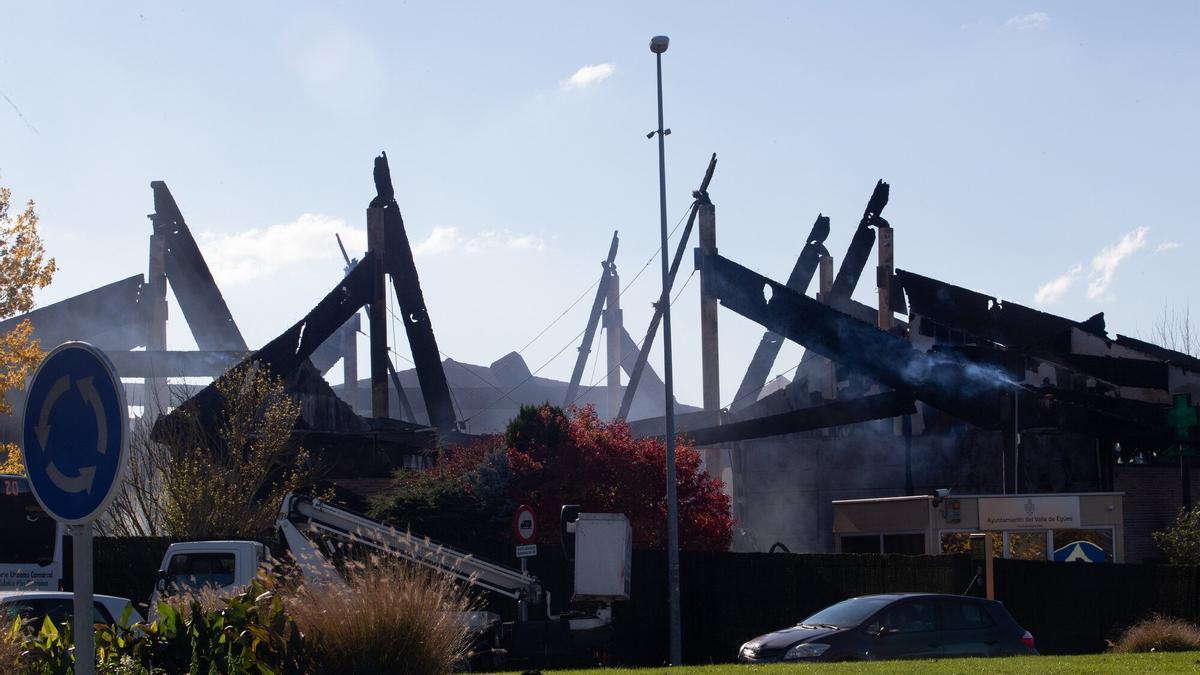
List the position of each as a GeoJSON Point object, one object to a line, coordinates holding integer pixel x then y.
{"type": "Point", "coordinates": [850, 612]}
{"type": "Point", "coordinates": [198, 570]}
{"type": "Point", "coordinates": [58, 609]}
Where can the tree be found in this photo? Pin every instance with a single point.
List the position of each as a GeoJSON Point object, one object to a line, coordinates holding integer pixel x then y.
{"type": "Point", "coordinates": [227, 482]}
{"type": "Point", "coordinates": [1172, 329]}
{"type": "Point", "coordinates": [23, 269]}
{"type": "Point", "coordinates": [547, 459]}
{"type": "Point", "coordinates": [1181, 541]}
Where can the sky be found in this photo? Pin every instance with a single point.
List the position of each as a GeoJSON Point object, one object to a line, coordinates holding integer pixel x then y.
{"type": "Point", "coordinates": [1044, 152]}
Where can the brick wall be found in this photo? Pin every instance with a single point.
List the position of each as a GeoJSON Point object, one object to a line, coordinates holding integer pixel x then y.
{"type": "Point", "coordinates": [1152, 500]}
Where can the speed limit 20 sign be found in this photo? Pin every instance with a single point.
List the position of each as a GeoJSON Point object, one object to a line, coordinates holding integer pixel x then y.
{"type": "Point", "coordinates": [524, 524]}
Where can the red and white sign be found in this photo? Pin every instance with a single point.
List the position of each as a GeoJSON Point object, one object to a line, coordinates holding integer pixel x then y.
{"type": "Point", "coordinates": [524, 524]}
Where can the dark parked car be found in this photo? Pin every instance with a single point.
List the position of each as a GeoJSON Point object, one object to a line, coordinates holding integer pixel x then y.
{"type": "Point", "coordinates": [896, 626]}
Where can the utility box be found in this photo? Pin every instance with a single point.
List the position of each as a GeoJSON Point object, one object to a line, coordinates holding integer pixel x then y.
{"type": "Point", "coordinates": [603, 556]}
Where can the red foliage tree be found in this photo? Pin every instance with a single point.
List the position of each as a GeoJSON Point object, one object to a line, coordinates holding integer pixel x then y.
{"type": "Point", "coordinates": [547, 459]}
{"type": "Point", "coordinates": [601, 467]}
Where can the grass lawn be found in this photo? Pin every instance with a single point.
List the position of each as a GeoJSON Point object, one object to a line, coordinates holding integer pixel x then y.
{"type": "Point", "coordinates": [1141, 664]}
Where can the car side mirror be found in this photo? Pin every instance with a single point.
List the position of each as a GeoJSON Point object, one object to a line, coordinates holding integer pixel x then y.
{"type": "Point", "coordinates": [161, 581]}
{"type": "Point", "coordinates": [885, 630]}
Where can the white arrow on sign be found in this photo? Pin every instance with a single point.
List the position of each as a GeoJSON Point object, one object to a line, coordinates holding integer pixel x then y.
{"type": "Point", "coordinates": [88, 390]}
{"type": "Point", "coordinates": [43, 428]}
{"type": "Point", "coordinates": [82, 482]}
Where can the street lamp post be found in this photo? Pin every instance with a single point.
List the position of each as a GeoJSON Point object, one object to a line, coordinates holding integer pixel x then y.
{"type": "Point", "coordinates": [658, 45]}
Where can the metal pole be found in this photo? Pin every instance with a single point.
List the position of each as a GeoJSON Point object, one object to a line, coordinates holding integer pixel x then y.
{"type": "Point", "coordinates": [85, 641]}
{"type": "Point", "coordinates": [672, 500]}
{"type": "Point", "coordinates": [522, 605]}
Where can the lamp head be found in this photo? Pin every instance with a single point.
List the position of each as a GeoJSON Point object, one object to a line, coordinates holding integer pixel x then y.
{"type": "Point", "coordinates": [658, 43]}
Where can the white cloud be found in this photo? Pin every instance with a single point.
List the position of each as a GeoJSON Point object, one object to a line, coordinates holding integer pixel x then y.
{"type": "Point", "coordinates": [444, 240]}
{"type": "Point", "coordinates": [587, 76]}
{"type": "Point", "coordinates": [441, 240]}
{"type": "Point", "coordinates": [1167, 246]}
{"type": "Point", "coordinates": [241, 257]}
{"type": "Point", "coordinates": [1053, 290]}
{"type": "Point", "coordinates": [1105, 264]}
{"type": "Point", "coordinates": [1032, 21]}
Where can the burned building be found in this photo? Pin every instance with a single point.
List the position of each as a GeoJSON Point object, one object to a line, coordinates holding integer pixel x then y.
{"type": "Point", "coordinates": [361, 430]}
{"type": "Point", "coordinates": [961, 392]}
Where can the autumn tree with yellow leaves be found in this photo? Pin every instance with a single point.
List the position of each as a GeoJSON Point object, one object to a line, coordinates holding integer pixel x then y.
{"type": "Point", "coordinates": [23, 269]}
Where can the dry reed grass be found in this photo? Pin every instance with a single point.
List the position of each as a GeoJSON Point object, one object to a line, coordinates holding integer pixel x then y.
{"type": "Point", "coordinates": [391, 617]}
{"type": "Point", "coordinates": [1159, 634]}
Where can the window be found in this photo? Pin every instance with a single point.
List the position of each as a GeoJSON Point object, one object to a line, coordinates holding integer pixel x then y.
{"type": "Point", "coordinates": [1027, 545]}
{"type": "Point", "coordinates": [196, 570]}
{"type": "Point", "coordinates": [907, 617]}
{"type": "Point", "coordinates": [848, 612]}
{"type": "Point", "coordinates": [58, 609]}
{"type": "Point", "coordinates": [904, 544]}
{"type": "Point", "coordinates": [958, 615]}
{"type": "Point", "coordinates": [960, 542]}
{"type": "Point", "coordinates": [860, 543]}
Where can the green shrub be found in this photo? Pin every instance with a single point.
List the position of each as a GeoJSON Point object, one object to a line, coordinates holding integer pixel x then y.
{"type": "Point", "coordinates": [249, 633]}
{"type": "Point", "coordinates": [1159, 634]}
{"type": "Point", "coordinates": [1181, 541]}
{"type": "Point", "coordinates": [390, 618]}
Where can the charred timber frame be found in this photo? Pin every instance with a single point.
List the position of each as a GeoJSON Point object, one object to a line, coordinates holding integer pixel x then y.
{"type": "Point", "coordinates": [199, 298]}
{"type": "Point", "coordinates": [377, 323]}
{"type": "Point", "coordinates": [287, 352]}
{"type": "Point", "coordinates": [613, 325]}
{"type": "Point", "coordinates": [941, 380]}
{"type": "Point", "coordinates": [589, 332]}
{"type": "Point", "coordinates": [759, 370]}
{"type": "Point", "coordinates": [838, 413]}
{"type": "Point", "coordinates": [398, 262]}
{"type": "Point", "coordinates": [860, 248]}
{"type": "Point", "coordinates": [639, 366]}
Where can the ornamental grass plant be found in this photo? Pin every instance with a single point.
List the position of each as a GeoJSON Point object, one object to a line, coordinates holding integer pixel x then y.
{"type": "Point", "coordinates": [1159, 634]}
{"type": "Point", "coordinates": [391, 617]}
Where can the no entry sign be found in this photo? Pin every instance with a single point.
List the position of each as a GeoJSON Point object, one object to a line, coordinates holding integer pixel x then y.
{"type": "Point", "coordinates": [524, 524]}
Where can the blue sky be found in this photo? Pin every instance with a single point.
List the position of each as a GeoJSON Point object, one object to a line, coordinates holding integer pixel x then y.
{"type": "Point", "coordinates": [1042, 152]}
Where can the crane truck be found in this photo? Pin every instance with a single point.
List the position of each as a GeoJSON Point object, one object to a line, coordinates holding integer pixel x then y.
{"type": "Point", "coordinates": [311, 530]}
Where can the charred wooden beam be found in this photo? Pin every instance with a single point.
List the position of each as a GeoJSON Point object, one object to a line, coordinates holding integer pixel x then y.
{"type": "Point", "coordinates": [944, 381]}
{"type": "Point", "coordinates": [984, 316]}
{"type": "Point", "coordinates": [107, 317]}
{"type": "Point", "coordinates": [710, 350]}
{"type": "Point", "coordinates": [614, 325]}
{"type": "Point", "coordinates": [199, 298]}
{"type": "Point", "coordinates": [838, 413]}
{"type": "Point", "coordinates": [406, 411]}
{"type": "Point", "coordinates": [589, 331]}
{"type": "Point", "coordinates": [768, 347]}
{"type": "Point", "coordinates": [635, 376]}
{"type": "Point", "coordinates": [164, 364]}
{"type": "Point", "coordinates": [288, 352]}
{"type": "Point", "coordinates": [377, 320]}
{"type": "Point", "coordinates": [414, 315]}
{"type": "Point", "coordinates": [860, 247]}
{"type": "Point", "coordinates": [653, 387]}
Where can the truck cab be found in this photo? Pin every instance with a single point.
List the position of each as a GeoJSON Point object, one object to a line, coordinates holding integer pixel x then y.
{"type": "Point", "coordinates": [226, 567]}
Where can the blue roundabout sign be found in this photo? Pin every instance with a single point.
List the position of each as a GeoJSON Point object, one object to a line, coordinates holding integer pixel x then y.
{"type": "Point", "coordinates": [74, 433]}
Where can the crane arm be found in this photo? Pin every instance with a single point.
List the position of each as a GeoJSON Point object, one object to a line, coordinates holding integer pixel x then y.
{"type": "Point", "coordinates": [298, 510]}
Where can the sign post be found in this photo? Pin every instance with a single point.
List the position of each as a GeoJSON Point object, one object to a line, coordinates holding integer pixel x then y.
{"type": "Point", "coordinates": [74, 444]}
{"type": "Point", "coordinates": [525, 528]}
